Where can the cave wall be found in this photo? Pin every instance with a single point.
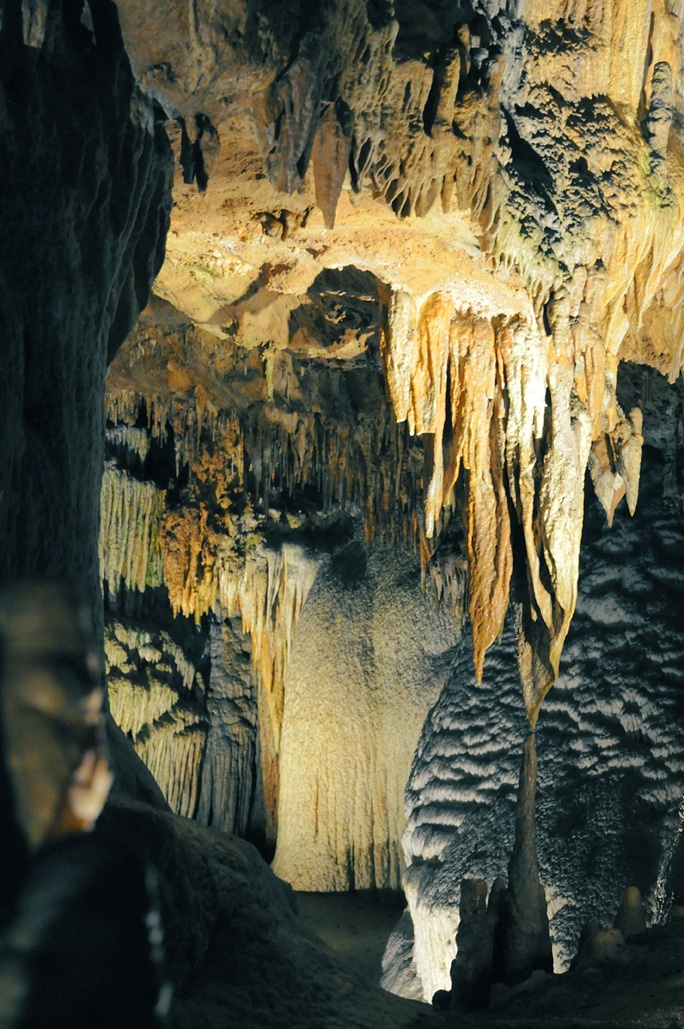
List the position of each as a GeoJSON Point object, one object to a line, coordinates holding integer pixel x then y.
{"type": "Point", "coordinates": [535, 176]}
{"type": "Point", "coordinates": [84, 205]}
{"type": "Point", "coordinates": [470, 121]}
{"type": "Point", "coordinates": [260, 557]}
{"type": "Point", "coordinates": [369, 657]}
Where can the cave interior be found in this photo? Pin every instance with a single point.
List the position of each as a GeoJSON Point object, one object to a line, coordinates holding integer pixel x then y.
{"type": "Point", "coordinates": [342, 373]}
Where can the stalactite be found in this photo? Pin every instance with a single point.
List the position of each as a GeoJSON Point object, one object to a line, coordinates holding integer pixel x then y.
{"type": "Point", "coordinates": [133, 708]}
{"type": "Point", "coordinates": [130, 439]}
{"type": "Point", "coordinates": [561, 158]}
{"type": "Point", "coordinates": [272, 596]}
{"type": "Point", "coordinates": [520, 435]}
{"type": "Point", "coordinates": [615, 463]}
{"type": "Point", "coordinates": [123, 406]}
{"type": "Point", "coordinates": [173, 754]}
{"type": "Point", "coordinates": [428, 350]}
{"type": "Point", "coordinates": [130, 519]}
{"type": "Point", "coordinates": [593, 291]}
{"type": "Point", "coordinates": [373, 469]}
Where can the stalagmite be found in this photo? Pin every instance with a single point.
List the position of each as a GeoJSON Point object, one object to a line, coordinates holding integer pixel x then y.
{"type": "Point", "coordinates": [523, 942]}
{"type": "Point", "coordinates": [471, 970]}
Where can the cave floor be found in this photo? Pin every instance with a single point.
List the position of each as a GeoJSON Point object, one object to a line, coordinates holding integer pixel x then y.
{"type": "Point", "coordinates": [644, 989]}
{"type": "Point", "coordinates": [356, 926]}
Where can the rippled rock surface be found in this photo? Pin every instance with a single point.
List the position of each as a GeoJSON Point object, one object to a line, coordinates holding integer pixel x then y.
{"type": "Point", "coordinates": [610, 741]}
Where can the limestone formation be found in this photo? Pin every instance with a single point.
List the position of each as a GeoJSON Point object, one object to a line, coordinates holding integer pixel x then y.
{"type": "Point", "coordinates": [471, 970]}
{"type": "Point", "coordinates": [156, 696]}
{"type": "Point", "coordinates": [523, 940]}
{"type": "Point", "coordinates": [424, 271]}
{"type": "Point", "coordinates": [601, 945]}
{"type": "Point", "coordinates": [490, 237]}
{"type": "Point", "coordinates": [609, 743]}
{"type": "Point", "coordinates": [229, 793]}
{"type": "Point", "coordinates": [536, 177]}
{"type": "Point", "coordinates": [356, 690]}
{"type": "Point", "coordinates": [215, 493]}
{"type": "Point", "coordinates": [631, 915]}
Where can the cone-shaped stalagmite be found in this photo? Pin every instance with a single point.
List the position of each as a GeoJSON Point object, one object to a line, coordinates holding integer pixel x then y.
{"type": "Point", "coordinates": [471, 971]}
{"type": "Point", "coordinates": [523, 942]}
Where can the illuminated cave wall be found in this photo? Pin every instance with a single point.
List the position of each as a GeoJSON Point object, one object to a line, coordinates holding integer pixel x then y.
{"type": "Point", "coordinates": [370, 656]}
{"type": "Point", "coordinates": [293, 709]}
{"type": "Point", "coordinates": [265, 574]}
{"type": "Point", "coordinates": [532, 155]}
{"type": "Point", "coordinates": [509, 188]}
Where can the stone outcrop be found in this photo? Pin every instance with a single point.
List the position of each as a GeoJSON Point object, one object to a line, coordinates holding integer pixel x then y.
{"type": "Point", "coordinates": [236, 952]}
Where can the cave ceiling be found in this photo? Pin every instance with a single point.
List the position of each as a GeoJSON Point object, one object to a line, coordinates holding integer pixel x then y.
{"type": "Point", "coordinates": [472, 212]}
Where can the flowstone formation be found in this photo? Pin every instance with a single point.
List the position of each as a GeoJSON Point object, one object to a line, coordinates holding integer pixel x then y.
{"type": "Point", "coordinates": [609, 738]}
{"type": "Point", "coordinates": [370, 655]}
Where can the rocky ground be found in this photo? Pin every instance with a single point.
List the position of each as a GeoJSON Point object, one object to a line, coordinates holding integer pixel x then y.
{"type": "Point", "coordinates": [643, 986]}
{"type": "Point", "coordinates": [238, 955]}
{"type": "Point", "coordinates": [243, 951]}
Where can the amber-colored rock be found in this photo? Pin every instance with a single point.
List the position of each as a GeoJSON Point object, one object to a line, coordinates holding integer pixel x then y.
{"type": "Point", "coordinates": [537, 179]}
{"type": "Point", "coordinates": [631, 915]}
